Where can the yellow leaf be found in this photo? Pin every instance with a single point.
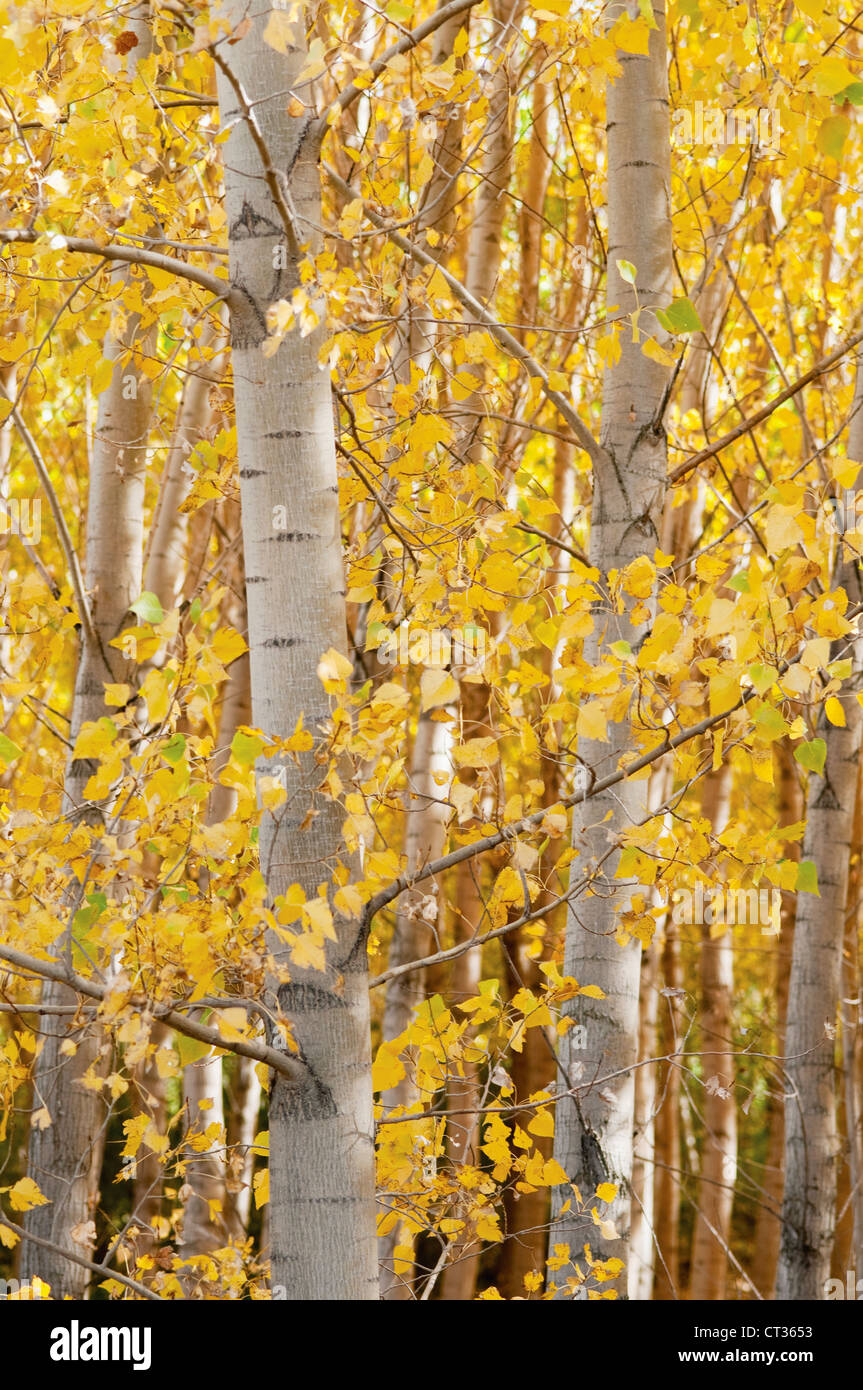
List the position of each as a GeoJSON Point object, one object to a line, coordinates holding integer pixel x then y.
{"type": "Point", "coordinates": [25, 1194]}
{"type": "Point", "coordinates": [592, 992]}
{"type": "Point", "coordinates": [437, 687]}
{"type": "Point", "coordinates": [117, 694]}
{"type": "Point", "coordinates": [334, 670]}
{"type": "Point", "coordinates": [606, 1192]}
{"type": "Point", "coordinates": [652, 349]}
{"type": "Point", "coordinates": [279, 33]}
{"type": "Point", "coordinates": [387, 1069]}
{"type": "Point", "coordinates": [591, 722]}
{"type": "Point", "coordinates": [835, 713]}
{"type": "Point", "coordinates": [553, 1175]}
{"type": "Point", "coordinates": [226, 645]}
{"type": "Point", "coordinates": [542, 1124]}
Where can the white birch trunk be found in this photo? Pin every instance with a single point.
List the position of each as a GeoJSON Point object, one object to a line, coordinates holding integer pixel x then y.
{"type": "Point", "coordinates": [65, 1158]}
{"type": "Point", "coordinates": [593, 1138]}
{"type": "Point", "coordinates": [811, 1135]}
{"type": "Point", "coordinates": [322, 1215]}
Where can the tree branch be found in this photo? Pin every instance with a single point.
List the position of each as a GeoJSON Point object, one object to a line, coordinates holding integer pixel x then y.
{"type": "Point", "coordinates": [259, 1052]}
{"type": "Point", "coordinates": [535, 819]}
{"type": "Point", "coordinates": [68, 549]}
{"type": "Point", "coordinates": [79, 1260]}
{"type": "Point", "coordinates": [131, 255]}
{"type": "Point", "coordinates": [683, 469]}
{"type": "Point", "coordinates": [404, 45]}
{"type": "Point", "coordinates": [503, 336]}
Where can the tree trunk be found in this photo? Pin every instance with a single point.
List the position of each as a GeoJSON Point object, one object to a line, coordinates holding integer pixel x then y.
{"type": "Point", "coordinates": [808, 1209]}
{"type": "Point", "coordinates": [666, 1282]}
{"type": "Point", "coordinates": [711, 1239]}
{"type": "Point", "coordinates": [458, 1282]}
{"type": "Point", "coordinates": [768, 1227]}
{"type": "Point", "coordinates": [426, 817]}
{"type": "Point", "coordinates": [593, 1138]}
{"type": "Point", "coordinates": [322, 1213]}
{"type": "Point", "coordinates": [65, 1158]}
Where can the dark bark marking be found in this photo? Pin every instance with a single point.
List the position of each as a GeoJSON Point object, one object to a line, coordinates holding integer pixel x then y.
{"type": "Point", "coordinates": [251, 224]}
{"type": "Point", "coordinates": [306, 998]}
{"type": "Point", "coordinates": [593, 1159]}
{"type": "Point", "coordinates": [304, 1100]}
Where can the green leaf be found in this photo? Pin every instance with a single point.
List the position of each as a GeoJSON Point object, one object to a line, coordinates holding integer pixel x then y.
{"type": "Point", "coordinates": [174, 748]}
{"type": "Point", "coordinates": [832, 134]}
{"type": "Point", "coordinates": [795, 32]}
{"type": "Point", "coordinates": [762, 677]}
{"type": "Point", "coordinates": [627, 271]}
{"type": "Point", "coordinates": [9, 751]}
{"type": "Point", "coordinates": [811, 755]}
{"type": "Point", "coordinates": [86, 916]}
{"type": "Point", "coordinates": [739, 582]}
{"type": "Point", "coordinates": [853, 93]}
{"type": "Point", "coordinates": [190, 1049]}
{"type": "Point", "coordinates": [246, 748]}
{"type": "Point", "coordinates": [807, 878]}
{"type": "Point", "coordinates": [681, 316]}
{"type": "Point", "coordinates": [147, 607]}
{"type": "Point", "coordinates": [195, 611]}
{"type": "Point", "coordinates": [769, 723]}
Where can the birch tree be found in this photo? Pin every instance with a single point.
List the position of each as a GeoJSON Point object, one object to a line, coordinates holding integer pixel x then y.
{"type": "Point", "coordinates": [593, 1136]}
{"type": "Point", "coordinates": [322, 1218]}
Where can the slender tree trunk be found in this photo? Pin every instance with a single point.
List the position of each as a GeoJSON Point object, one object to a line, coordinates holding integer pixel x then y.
{"type": "Point", "coordinates": [533, 1068]}
{"type": "Point", "coordinates": [666, 1283]}
{"type": "Point", "coordinates": [458, 1281]}
{"type": "Point", "coordinates": [808, 1209]}
{"type": "Point", "coordinates": [768, 1227]}
{"type": "Point", "coordinates": [851, 1045]}
{"type": "Point", "coordinates": [65, 1157]}
{"type": "Point", "coordinates": [426, 816]}
{"type": "Point", "coordinates": [165, 572]}
{"type": "Point", "coordinates": [205, 1218]}
{"type": "Point", "coordinates": [593, 1138]}
{"type": "Point", "coordinates": [711, 1239]}
{"type": "Point", "coordinates": [322, 1214]}
{"type": "Point", "coordinates": [530, 220]}
{"type": "Point", "coordinates": [244, 1104]}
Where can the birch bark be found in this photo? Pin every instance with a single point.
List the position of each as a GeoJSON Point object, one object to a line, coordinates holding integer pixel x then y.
{"type": "Point", "coordinates": [322, 1217]}
{"type": "Point", "coordinates": [811, 1140]}
{"type": "Point", "coordinates": [593, 1139]}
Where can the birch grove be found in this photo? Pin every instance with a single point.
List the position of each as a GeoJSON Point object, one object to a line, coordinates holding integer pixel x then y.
{"type": "Point", "coordinates": [430, 537]}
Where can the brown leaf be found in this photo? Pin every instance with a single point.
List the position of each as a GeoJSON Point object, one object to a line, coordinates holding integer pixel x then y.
{"type": "Point", "coordinates": [123, 42]}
